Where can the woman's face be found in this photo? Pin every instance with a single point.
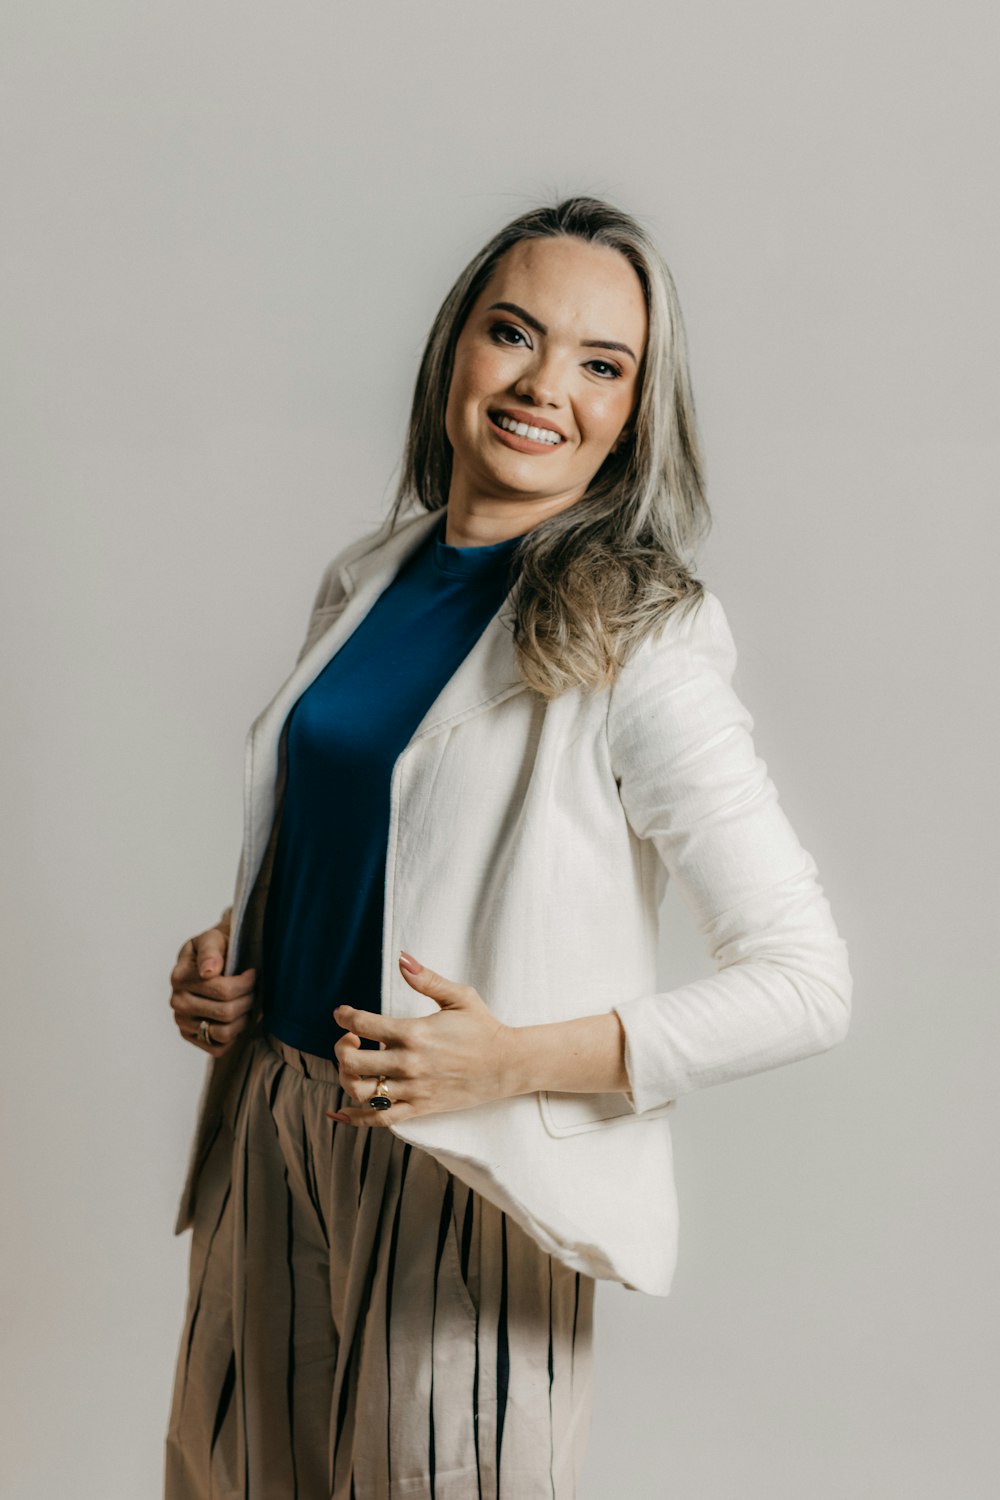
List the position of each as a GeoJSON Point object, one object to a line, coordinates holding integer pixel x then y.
{"type": "Point", "coordinates": [563, 355]}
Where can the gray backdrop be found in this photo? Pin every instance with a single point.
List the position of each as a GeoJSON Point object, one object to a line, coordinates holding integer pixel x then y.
{"type": "Point", "coordinates": [228, 227]}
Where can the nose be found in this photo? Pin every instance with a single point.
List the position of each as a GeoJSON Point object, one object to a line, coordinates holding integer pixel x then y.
{"type": "Point", "coordinates": [541, 384]}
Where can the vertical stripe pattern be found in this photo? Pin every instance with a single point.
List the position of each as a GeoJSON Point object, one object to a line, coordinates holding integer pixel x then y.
{"type": "Point", "coordinates": [362, 1325]}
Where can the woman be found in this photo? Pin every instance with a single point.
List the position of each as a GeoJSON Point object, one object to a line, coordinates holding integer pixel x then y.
{"type": "Point", "coordinates": [510, 722]}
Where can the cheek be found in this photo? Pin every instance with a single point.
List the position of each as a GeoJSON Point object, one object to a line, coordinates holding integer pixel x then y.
{"type": "Point", "coordinates": [604, 415]}
{"type": "Point", "coordinates": [481, 372]}
{"type": "Point", "coordinates": [464, 394]}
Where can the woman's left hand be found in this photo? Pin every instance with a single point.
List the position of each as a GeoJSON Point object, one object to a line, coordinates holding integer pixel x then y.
{"type": "Point", "coordinates": [452, 1059]}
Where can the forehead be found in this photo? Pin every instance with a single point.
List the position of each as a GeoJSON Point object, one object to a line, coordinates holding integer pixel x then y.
{"type": "Point", "coordinates": [574, 287]}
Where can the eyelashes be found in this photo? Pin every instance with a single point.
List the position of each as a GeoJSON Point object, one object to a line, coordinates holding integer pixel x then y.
{"type": "Point", "coordinates": [497, 328]}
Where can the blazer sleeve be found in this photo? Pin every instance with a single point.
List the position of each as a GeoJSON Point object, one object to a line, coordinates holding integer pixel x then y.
{"type": "Point", "coordinates": [691, 783]}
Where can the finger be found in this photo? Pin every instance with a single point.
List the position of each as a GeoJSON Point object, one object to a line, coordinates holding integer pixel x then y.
{"type": "Point", "coordinates": [347, 1043]}
{"type": "Point", "coordinates": [219, 1049]}
{"type": "Point", "coordinates": [370, 1025]}
{"type": "Point", "coordinates": [204, 946]}
{"type": "Point", "coordinates": [360, 1060]}
{"type": "Point", "coordinates": [374, 1119]}
{"type": "Point", "coordinates": [446, 993]}
{"type": "Point", "coordinates": [232, 987]}
{"type": "Point", "coordinates": [190, 1030]}
{"type": "Point", "coordinates": [221, 1036]}
{"type": "Point", "coordinates": [223, 986]}
{"type": "Point", "coordinates": [210, 950]}
{"type": "Point", "coordinates": [360, 1067]}
{"type": "Point", "coordinates": [187, 1005]}
{"type": "Point", "coordinates": [357, 1080]}
{"type": "Point", "coordinates": [343, 1050]}
{"type": "Point", "coordinates": [214, 1046]}
{"type": "Point", "coordinates": [220, 1031]}
{"type": "Point", "coordinates": [358, 1087]}
{"type": "Point", "coordinates": [185, 976]}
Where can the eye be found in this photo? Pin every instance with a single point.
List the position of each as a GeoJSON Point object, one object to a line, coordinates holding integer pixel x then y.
{"type": "Point", "coordinates": [616, 370]}
{"type": "Point", "coordinates": [498, 332]}
{"type": "Point", "coordinates": [498, 328]}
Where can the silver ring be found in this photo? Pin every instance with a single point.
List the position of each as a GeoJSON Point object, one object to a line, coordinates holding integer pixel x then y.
{"type": "Point", "coordinates": [205, 1031]}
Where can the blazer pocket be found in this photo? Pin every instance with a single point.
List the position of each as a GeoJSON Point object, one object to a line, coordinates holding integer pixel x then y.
{"type": "Point", "coordinates": [568, 1114]}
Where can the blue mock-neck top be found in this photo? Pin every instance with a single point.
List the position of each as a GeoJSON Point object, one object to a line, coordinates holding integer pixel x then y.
{"type": "Point", "coordinates": [322, 935]}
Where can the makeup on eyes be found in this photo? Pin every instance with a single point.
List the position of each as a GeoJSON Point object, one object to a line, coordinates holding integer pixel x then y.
{"type": "Point", "coordinates": [539, 327]}
{"type": "Point", "coordinates": [618, 372]}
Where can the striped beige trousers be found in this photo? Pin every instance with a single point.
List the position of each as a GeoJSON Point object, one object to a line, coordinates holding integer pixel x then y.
{"type": "Point", "coordinates": [360, 1324]}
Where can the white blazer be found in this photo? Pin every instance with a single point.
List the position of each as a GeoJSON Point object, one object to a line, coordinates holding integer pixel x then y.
{"type": "Point", "coordinates": [530, 845]}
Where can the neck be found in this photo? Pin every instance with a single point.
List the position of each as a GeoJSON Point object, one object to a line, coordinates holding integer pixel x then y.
{"type": "Point", "coordinates": [483, 526]}
{"type": "Point", "coordinates": [479, 520]}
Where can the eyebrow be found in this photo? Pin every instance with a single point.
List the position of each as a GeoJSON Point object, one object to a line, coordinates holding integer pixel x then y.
{"type": "Point", "coordinates": [532, 322]}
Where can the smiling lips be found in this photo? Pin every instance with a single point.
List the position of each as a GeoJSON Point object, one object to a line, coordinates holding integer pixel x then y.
{"type": "Point", "coordinates": [544, 435]}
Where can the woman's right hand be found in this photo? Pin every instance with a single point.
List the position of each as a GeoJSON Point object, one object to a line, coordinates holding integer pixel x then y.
{"type": "Point", "coordinates": [200, 991]}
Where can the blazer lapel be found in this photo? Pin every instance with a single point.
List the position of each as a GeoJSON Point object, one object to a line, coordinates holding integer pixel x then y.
{"type": "Point", "coordinates": [487, 675]}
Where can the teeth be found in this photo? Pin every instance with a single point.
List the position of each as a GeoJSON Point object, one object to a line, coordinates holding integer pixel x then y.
{"type": "Point", "coordinates": [537, 434]}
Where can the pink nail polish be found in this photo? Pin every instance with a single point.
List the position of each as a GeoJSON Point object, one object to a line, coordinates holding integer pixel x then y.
{"type": "Point", "coordinates": [409, 962]}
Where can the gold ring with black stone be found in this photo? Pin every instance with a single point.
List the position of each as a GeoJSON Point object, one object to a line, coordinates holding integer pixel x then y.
{"type": "Point", "coordinates": [380, 1099]}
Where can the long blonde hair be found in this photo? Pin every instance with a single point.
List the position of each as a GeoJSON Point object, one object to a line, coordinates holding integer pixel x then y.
{"type": "Point", "coordinates": [596, 578]}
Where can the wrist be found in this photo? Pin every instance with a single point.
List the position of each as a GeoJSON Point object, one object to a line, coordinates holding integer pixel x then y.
{"type": "Point", "coordinates": [514, 1072]}
{"type": "Point", "coordinates": [583, 1055]}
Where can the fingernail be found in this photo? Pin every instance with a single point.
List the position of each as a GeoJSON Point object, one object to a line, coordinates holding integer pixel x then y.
{"type": "Point", "coordinates": [332, 1114]}
{"type": "Point", "coordinates": [408, 962]}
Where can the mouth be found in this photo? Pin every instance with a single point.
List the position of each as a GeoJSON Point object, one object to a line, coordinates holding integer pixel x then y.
{"type": "Point", "coordinates": [525, 435]}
